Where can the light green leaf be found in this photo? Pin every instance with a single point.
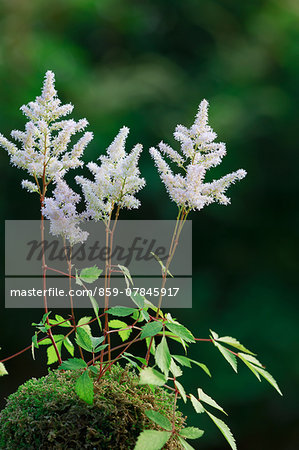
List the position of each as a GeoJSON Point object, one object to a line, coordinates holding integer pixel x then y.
{"type": "Point", "coordinates": [73, 364]}
{"type": "Point", "coordinates": [224, 430]}
{"type": "Point", "coordinates": [159, 419]}
{"type": "Point", "coordinates": [269, 378]}
{"type": "Point", "coordinates": [206, 399]}
{"type": "Point", "coordinates": [196, 404]}
{"type": "Point", "coordinates": [3, 371]}
{"type": "Point", "coordinates": [250, 366]}
{"type": "Point", "coordinates": [121, 311]}
{"type": "Point", "coordinates": [234, 343]}
{"type": "Point", "coordinates": [214, 335]}
{"type": "Point", "coordinates": [90, 274]}
{"type": "Point", "coordinates": [152, 440]}
{"type": "Point", "coordinates": [127, 275]}
{"type": "Point", "coordinates": [51, 353]}
{"type": "Point", "coordinates": [115, 323]}
{"type": "Point", "coordinates": [175, 369]}
{"type": "Point", "coordinates": [125, 334]}
{"type": "Point", "coordinates": [181, 390]}
{"type": "Point", "coordinates": [185, 444]}
{"type": "Point", "coordinates": [47, 341]}
{"type": "Point", "coordinates": [251, 359]}
{"type": "Point", "coordinates": [152, 376]}
{"type": "Point", "coordinates": [180, 331]}
{"type": "Point", "coordinates": [162, 356]}
{"type": "Point", "coordinates": [83, 339]}
{"type": "Point", "coordinates": [69, 346]}
{"type": "Point", "coordinates": [60, 319]}
{"type": "Point", "coordinates": [230, 358]}
{"type": "Point", "coordinates": [84, 388]}
{"type": "Point", "coordinates": [84, 324]}
{"type": "Point", "coordinates": [191, 433]}
{"type": "Point", "coordinates": [151, 329]}
{"type": "Point", "coordinates": [138, 300]}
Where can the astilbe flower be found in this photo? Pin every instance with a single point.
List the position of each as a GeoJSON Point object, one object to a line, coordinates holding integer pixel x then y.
{"type": "Point", "coordinates": [116, 180]}
{"type": "Point", "coordinates": [198, 154]}
{"type": "Point", "coordinates": [44, 149]}
{"type": "Point", "coordinates": [61, 210]}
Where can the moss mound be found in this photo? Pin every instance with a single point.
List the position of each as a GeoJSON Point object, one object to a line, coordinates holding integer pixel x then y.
{"type": "Point", "coordinates": [46, 413]}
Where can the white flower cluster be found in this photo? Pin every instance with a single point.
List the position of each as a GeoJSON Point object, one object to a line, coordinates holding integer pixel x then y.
{"type": "Point", "coordinates": [44, 143]}
{"type": "Point", "coordinates": [116, 180]}
{"type": "Point", "coordinates": [62, 213]}
{"type": "Point", "coordinates": [199, 153]}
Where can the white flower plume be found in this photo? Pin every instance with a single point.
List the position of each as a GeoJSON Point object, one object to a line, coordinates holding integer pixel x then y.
{"type": "Point", "coordinates": [198, 154]}
{"type": "Point", "coordinates": [62, 213]}
{"type": "Point", "coordinates": [116, 180]}
{"type": "Point", "coordinates": [44, 152]}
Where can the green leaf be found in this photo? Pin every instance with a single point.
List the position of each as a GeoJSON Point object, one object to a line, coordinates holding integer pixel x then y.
{"type": "Point", "coordinates": [51, 353]}
{"type": "Point", "coordinates": [234, 343]}
{"type": "Point", "coordinates": [181, 390]}
{"type": "Point", "coordinates": [162, 356]}
{"type": "Point", "coordinates": [152, 440]}
{"type": "Point", "coordinates": [139, 358]}
{"type": "Point", "coordinates": [185, 444]}
{"type": "Point", "coordinates": [151, 329]}
{"type": "Point", "coordinates": [230, 358]}
{"type": "Point", "coordinates": [206, 399]}
{"type": "Point", "coordinates": [180, 331]}
{"type": "Point", "coordinates": [151, 376]}
{"type": "Point", "coordinates": [138, 300]}
{"type": "Point", "coordinates": [177, 339]}
{"type": "Point", "coordinates": [269, 378]}
{"type": "Point", "coordinates": [84, 388]}
{"type": "Point", "coordinates": [83, 339]}
{"type": "Point", "coordinates": [121, 311]}
{"type": "Point", "coordinates": [196, 404]}
{"type": "Point", "coordinates": [96, 341]}
{"type": "Point", "coordinates": [96, 309]}
{"type": "Point", "coordinates": [73, 364]}
{"type": "Point", "coordinates": [224, 430]}
{"type": "Point", "coordinates": [184, 361]}
{"type": "Point", "coordinates": [191, 433]}
{"type": "Point", "coordinates": [69, 345]}
{"type": "Point", "coordinates": [159, 419]}
{"type": "Point", "coordinates": [161, 264]}
{"type": "Point", "coordinates": [3, 371]}
{"type": "Point", "coordinates": [127, 275]}
{"type": "Point", "coordinates": [153, 346]}
{"type": "Point", "coordinates": [145, 315]}
{"type": "Point", "coordinates": [90, 274]}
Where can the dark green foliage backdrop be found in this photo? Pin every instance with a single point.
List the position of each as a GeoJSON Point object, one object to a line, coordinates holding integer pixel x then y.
{"type": "Point", "coordinates": [147, 65]}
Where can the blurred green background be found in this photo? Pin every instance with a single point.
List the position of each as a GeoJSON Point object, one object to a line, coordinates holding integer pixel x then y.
{"type": "Point", "coordinates": [147, 65]}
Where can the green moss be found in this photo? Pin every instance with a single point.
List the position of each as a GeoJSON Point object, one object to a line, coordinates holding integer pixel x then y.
{"type": "Point", "coordinates": [46, 413]}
